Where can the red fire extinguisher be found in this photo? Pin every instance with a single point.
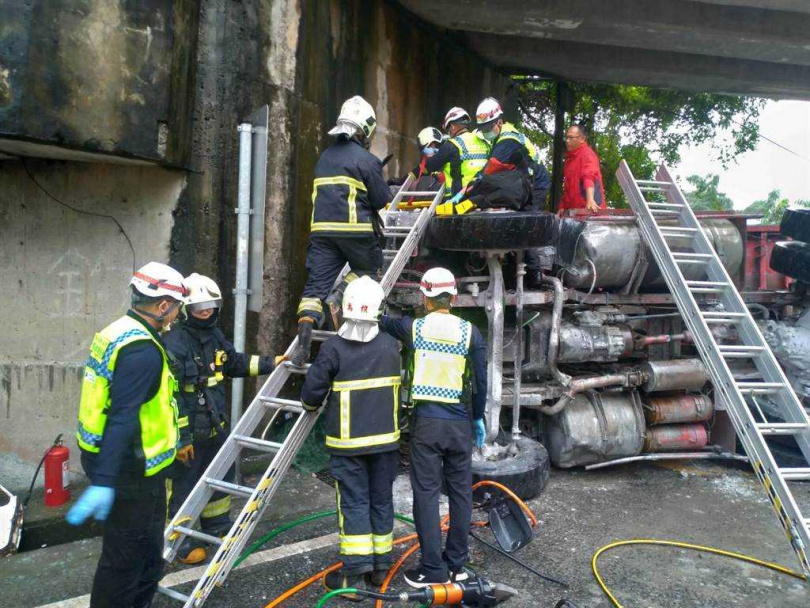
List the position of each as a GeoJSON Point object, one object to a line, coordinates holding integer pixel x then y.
{"type": "Point", "coordinates": [56, 474]}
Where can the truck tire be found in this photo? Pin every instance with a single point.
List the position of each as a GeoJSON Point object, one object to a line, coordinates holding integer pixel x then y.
{"type": "Point", "coordinates": [526, 475]}
{"type": "Point", "coordinates": [796, 224]}
{"type": "Point", "coordinates": [792, 259]}
{"type": "Point", "coordinates": [507, 230]}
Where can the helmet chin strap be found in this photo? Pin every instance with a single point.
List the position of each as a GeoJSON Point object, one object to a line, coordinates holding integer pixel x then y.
{"type": "Point", "coordinates": [159, 318]}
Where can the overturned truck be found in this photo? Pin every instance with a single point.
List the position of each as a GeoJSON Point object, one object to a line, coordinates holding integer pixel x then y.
{"type": "Point", "coordinates": [589, 360]}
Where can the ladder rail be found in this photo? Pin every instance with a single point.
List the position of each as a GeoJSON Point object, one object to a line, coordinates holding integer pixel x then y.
{"type": "Point", "coordinates": [751, 435]}
{"type": "Point", "coordinates": [261, 495]}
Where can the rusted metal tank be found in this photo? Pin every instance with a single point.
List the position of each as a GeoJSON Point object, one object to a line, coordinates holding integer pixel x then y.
{"type": "Point", "coordinates": [596, 427]}
{"type": "Point", "coordinates": [614, 251]}
{"type": "Point", "coordinates": [673, 409]}
{"type": "Point", "coordinates": [674, 375]}
{"type": "Point", "coordinates": [674, 437]}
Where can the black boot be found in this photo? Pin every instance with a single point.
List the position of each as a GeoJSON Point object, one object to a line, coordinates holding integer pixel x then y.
{"type": "Point", "coordinates": [338, 580]}
{"type": "Point", "coordinates": [300, 354]}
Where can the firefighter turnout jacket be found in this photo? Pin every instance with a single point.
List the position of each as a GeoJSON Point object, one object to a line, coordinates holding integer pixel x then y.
{"type": "Point", "coordinates": [201, 358]}
{"type": "Point", "coordinates": [348, 190]}
{"type": "Point", "coordinates": [157, 417]}
{"type": "Point", "coordinates": [362, 381]}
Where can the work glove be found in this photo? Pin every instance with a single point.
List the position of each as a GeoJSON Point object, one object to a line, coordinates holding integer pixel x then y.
{"type": "Point", "coordinates": [279, 360]}
{"type": "Point", "coordinates": [480, 432]}
{"type": "Point", "coordinates": [186, 454]}
{"type": "Point", "coordinates": [445, 208]}
{"type": "Point", "coordinates": [96, 501]}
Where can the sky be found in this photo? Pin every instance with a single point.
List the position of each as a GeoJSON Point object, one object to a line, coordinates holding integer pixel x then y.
{"type": "Point", "coordinates": [768, 167]}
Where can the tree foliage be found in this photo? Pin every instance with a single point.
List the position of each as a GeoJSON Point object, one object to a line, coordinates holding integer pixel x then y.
{"type": "Point", "coordinates": [705, 196]}
{"type": "Point", "coordinates": [773, 207]}
{"type": "Point", "coordinates": [643, 125]}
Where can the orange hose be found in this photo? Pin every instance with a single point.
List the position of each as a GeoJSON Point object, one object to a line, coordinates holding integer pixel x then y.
{"type": "Point", "coordinates": [512, 495]}
{"type": "Point", "coordinates": [303, 585]}
{"type": "Point", "coordinates": [392, 572]}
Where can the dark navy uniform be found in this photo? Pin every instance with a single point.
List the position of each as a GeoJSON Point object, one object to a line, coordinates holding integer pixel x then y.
{"type": "Point", "coordinates": [362, 380]}
{"type": "Point", "coordinates": [347, 193]}
{"type": "Point", "coordinates": [201, 358]}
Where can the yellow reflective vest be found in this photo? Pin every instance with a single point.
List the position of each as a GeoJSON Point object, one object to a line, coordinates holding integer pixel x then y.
{"type": "Point", "coordinates": [473, 151]}
{"type": "Point", "coordinates": [441, 344]}
{"type": "Point", "coordinates": [158, 416]}
{"type": "Point", "coordinates": [508, 131]}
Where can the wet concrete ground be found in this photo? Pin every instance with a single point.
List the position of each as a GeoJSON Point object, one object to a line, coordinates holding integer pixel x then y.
{"type": "Point", "coordinates": [712, 504]}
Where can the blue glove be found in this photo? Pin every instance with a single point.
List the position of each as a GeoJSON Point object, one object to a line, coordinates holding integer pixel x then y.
{"type": "Point", "coordinates": [457, 198]}
{"type": "Point", "coordinates": [96, 501]}
{"type": "Point", "coordinates": [480, 432]}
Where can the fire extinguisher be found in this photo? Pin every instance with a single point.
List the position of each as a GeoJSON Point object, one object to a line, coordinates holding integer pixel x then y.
{"type": "Point", "coordinates": [56, 461]}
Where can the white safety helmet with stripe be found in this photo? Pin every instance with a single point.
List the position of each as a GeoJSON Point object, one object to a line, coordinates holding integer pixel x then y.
{"type": "Point", "coordinates": [488, 111]}
{"type": "Point", "coordinates": [429, 135]}
{"type": "Point", "coordinates": [437, 281]}
{"type": "Point", "coordinates": [362, 300]}
{"type": "Point", "coordinates": [455, 114]}
{"type": "Point", "coordinates": [203, 293]}
{"type": "Point", "coordinates": [355, 113]}
{"type": "Point", "coordinates": [159, 280]}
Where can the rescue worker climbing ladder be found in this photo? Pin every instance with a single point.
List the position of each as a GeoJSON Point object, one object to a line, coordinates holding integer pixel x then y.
{"type": "Point", "coordinates": [201, 358]}
{"type": "Point", "coordinates": [347, 193]}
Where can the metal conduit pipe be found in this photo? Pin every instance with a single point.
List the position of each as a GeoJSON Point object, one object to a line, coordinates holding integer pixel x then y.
{"type": "Point", "coordinates": [556, 321]}
{"type": "Point", "coordinates": [584, 384]}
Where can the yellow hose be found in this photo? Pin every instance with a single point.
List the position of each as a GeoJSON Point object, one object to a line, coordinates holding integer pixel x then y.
{"type": "Point", "coordinates": [672, 543]}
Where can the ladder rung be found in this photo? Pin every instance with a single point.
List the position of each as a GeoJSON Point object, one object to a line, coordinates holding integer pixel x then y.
{"type": "Point", "coordinates": [432, 195]}
{"type": "Point", "coordinates": [652, 182]}
{"type": "Point", "coordinates": [760, 387]}
{"type": "Point", "coordinates": [719, 320]}
{"type": "Point", "coordinates": [678, 229]}
{"type": "Point", "coordinates": [229, 488]}
{"type": "Point", "coordinates": [706, 286]}
{"type": "Point", "coordinates": [706, 314]}
{"type": "Point", "coordinates": [258, 444]}
{"type": "Point", "coordinates": [665, 212]}
{"type": "Point", "coordinates": [207, 538]}
{"type": "Point", "coordinates": [689, 255]}
{"type": "Point", "coordinates": [737, 351]}
{"type": "Point", "coordinates": [288, 405]}
{"type": "Point", "coordinates": [664, 205]}
{"type": "Point", "coordinates": [321, 334]}
{"type": "Point", "coordinates": [390, 251]}
{"type": "Point", "coordinates": [296, 369]}
{"type": "Point", "coordinates": [650, 189]}
{"type": "Point", "coordinates": [175, 595]}
{"type": "Point", "coordinates": [782, 428]}
{"type": "Point", "coordinates": [799, 474]}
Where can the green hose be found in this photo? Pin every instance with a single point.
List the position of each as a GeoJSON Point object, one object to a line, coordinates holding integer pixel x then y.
{"type": "Point", "coordinates": [332, 594]}
{"type": "Point", "coordinates": [276, 531]}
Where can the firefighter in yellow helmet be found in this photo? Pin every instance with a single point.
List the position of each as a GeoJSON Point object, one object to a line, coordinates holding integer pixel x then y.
{"type": "Point", "coordinates": [128, 436]}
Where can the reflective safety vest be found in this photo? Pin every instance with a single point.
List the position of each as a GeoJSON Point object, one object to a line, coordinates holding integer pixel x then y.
{"type": "Point", "coordinates": [474, 153]}
{"type": "Point", "coordinates": [363, 413]}
{"type": "Point", "coordinates": [441, 344]}
{"type": "Point", "coordinates": [158, 416]}
{"type": "Point", "coordinates": [508, 131]}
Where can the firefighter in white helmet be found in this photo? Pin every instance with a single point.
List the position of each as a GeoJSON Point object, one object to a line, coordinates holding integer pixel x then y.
{"type": "Point", "coordinates": [449, 376]}
{"type": "Point", "coordinates": [359, 371]}
{"type": "Point", "coordinates": [201, 358]}
{"type": "Point", "coordinates": [128, 435]}
{"type": "Point", "coordinates": [429, 141]}
{"type": "Point", "coordinates": [348, 193]}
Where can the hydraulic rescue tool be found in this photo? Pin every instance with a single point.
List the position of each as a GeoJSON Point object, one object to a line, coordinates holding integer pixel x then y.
{"type": "Point", "coordinates": [760, 407]}
{"type": "Point", "coordinates": [476, 593]}
{"type": "Point", "coordinates": [400, 242]}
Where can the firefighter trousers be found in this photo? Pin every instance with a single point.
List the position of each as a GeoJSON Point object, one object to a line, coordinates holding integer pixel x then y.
{"type": "Point", "coordinates": [326, 256]}
{"type": "Point", "coordinates": [441, 450]}
{"type": "Point", "coordinates": [216, 516]}
{"type": "Point", "coordinates": [365, 505]}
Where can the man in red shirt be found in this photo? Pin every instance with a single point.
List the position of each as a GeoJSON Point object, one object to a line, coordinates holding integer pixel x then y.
{"type": "Point", "coordinates": [583, 187]}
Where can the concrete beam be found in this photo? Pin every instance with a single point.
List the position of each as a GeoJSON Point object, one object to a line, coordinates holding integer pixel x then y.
{"type": "Point", "coordinates": [663, 25]}
{"type": "Point", "coordinates": [797, 6]}
{"type": "Point", "coordinates": [600, 63]}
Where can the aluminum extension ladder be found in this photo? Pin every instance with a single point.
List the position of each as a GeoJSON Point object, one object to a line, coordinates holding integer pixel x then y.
{"type": "Point", "coordinates": [267, 401]}
{"type": "Point", "coordinates": [750, 421]}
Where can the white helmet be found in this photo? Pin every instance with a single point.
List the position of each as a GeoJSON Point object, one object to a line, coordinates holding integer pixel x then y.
{"type": "Point", "coordinates": [159, 280]}
{"type": "Point", "coordinates": [355, 113]}
{"type": "Point", "coordinates": [437, 281]}
{"type": "Point", "coordinates": [429, 135]}
{"type": "Point", "coordinates": [203, 293]}
{"type": "Point", "coordinates": [455, 115]}
{"type": "Point", "coordinates": [362, 300]}
{"type": "Point", "coordinates": [488, 110]}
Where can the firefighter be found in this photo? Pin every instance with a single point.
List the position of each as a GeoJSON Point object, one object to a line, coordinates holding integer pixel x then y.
{"type": "Point", "coordinates": [201, 358]}
{"type": "Point", "coordinates": [449, 375]}
{"type": "Point", "coordinates": [461, 158]}
{"type": "Point", "coordinates": [359, 369]}
{"type": "Point", "coordinates": [348, 192]}
{"type": "Point", "coordinates": [429, 141]}
{"type": "Point", "coordinates": [128, 436]}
